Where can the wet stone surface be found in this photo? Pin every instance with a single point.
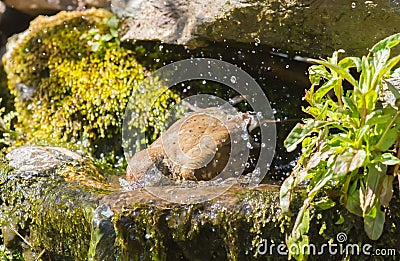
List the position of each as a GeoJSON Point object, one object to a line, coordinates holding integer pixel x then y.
{"type": "Point", "coordinates": [35, 160]}
{"type": "Point", "coordinates": [75, 214]}
{"type": "Point", "coordinates": [37, 7]}
{"type": "Point", "coordinates": [312, 27]}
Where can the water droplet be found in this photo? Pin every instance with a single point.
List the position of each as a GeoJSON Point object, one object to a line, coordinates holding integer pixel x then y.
{"type": "Point", "coordinates": [147, 236]}
{"type": "Point", "coordinates": [257, 40]}
{"type": "Point", "coordinates": [287, 66]}
{"type": "Point", "coordinates": [233, 79]}
{"type": "Point", "coordinates": [353, 5]}
{"type": "Point", "coordinates": [248, 145]}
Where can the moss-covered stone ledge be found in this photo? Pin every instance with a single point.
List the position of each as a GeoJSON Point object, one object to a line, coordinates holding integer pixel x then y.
{"type": "Point", "coordinates": [233, 226]}
{"type": "Point", "coordinates": [67, 210]}
{"type": "Point", "coordinates": [47, 198]}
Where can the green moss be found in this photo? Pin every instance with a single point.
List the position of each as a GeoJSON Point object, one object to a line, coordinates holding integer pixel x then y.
{"type": "Point", "coordinates": [78, 95]}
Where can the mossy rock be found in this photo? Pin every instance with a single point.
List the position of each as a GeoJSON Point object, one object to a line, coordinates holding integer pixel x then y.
{"type": "Point", "coordinates": [234, 226]}
{"type": "Point", "coordinates": [68, 210]}
{"type": "Point", "coordinates": [68, 92]}
{"type": "Point", "coordinates": [312, 28]}
{"type": "Point", "coordinates": [47, 196]}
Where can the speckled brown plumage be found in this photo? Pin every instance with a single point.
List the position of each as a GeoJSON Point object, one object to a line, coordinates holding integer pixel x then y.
{"type": "Point", "coordinates": [196, 147]}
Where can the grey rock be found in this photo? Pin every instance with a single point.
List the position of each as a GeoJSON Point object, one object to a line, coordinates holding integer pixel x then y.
{"type": "Point", "coordinates": [309, 26]}
{"type": "Point", "coordinates": [32, 162]}
{"type": "Point", "coordinates": [35, 160]}
{"type": "Point", "coordinates": [36, 7]}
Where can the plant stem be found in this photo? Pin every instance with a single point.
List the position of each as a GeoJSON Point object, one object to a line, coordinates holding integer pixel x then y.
{"type": "Point", "coordinates": [363, 112]}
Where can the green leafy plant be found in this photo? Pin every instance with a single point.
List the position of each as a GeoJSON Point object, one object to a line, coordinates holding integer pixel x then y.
{"type": "Point", "coordinates": [99, 37]}
{"type": "Point", "coordinates": [350, 144]}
